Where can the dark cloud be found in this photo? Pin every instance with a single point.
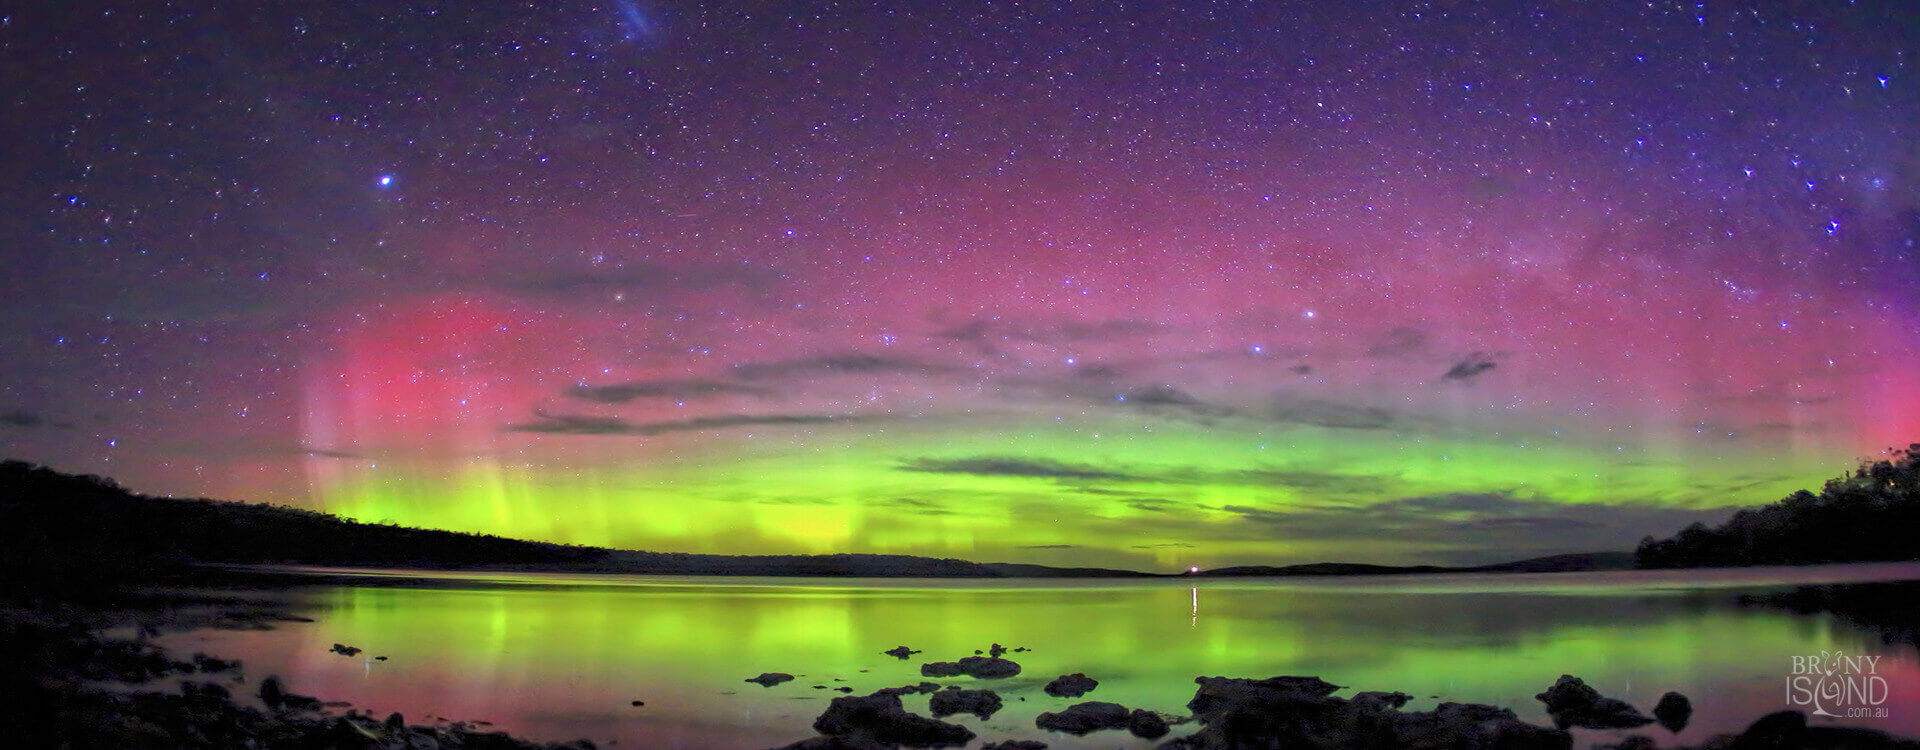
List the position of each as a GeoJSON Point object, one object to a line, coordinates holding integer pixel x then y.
{"type": "Point", "coordinates": [1471, 367]}
{"type": "Point", "coordinates": [1152, 504]}
{"type": "Point", "coordinates": [1478, 527]}
{"type": "Point", "coordinates": [19, 418]}
{"type": "Point", "coordinates": [576, 424]}
{"type": "Point", "coordinates": [1164, 545]}
{"type": "Point", "coordinates": [1162, 397]}
{"type": "Point", "coordinates": [922, 507]}
{"type": "Point", "coordinates": [1399, 342]}
{"type": "Point", "coordinates": [836, 364]}
{"type": "Point", "coordinates": [1524, 523]}
{"type": "Point", "coordinates": [1329, 414]}
{"type": "Point", "coordinates": [1103, 373]}
{"type": "Point", "coordinates": [1458, 502]}
{"type": "Point", "coordinates": [620, 393]}
{"type": "Point", "coordinates": [998, 466]}
{"type": "Point", "coordinates": [1317, 482]}
{"type": "Point", "coordinates": [331, 453]}
{"type": "Point", "coordinates": [1049, 546]}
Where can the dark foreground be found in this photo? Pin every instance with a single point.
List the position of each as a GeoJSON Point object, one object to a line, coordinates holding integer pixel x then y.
{"type": "Point", "coordinates": [83, 675]}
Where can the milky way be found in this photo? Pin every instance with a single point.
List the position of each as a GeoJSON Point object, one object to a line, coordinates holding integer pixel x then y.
{"type": "Point", "coordinates": [1076, 283]}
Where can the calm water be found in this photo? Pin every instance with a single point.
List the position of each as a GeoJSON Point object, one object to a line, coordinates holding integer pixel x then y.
{"type": "Point", "coordinates": [558, 657]}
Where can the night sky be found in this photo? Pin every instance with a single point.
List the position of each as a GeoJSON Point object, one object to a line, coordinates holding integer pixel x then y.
{"type": "Point", "coordinates": [1139, 284]}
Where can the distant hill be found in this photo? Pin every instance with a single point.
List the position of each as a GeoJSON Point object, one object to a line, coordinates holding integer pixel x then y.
{"type": "Point", "coordinates": [1568, 563]}
{"type": "Point", "coordinates": [63, 530]}
{"type": "Point", "coordinates": [1869, 514]}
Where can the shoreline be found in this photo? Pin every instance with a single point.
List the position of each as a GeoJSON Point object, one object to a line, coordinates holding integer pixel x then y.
{"type": "Point", "coordinates": [60, 692]}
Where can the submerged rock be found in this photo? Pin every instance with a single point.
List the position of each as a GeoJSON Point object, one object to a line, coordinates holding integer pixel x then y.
{"type": "Point", "coordinates": [900, 652]}
{"type": "Point", "coordinates": [953, 700]}
{"type": "Point", "coordinates": [1081, 718]}
{"type": "Point", "coordinates": [344, 649]}
{"type": "Point", "coordinates": [770, 679]}
{"type": "Point", "coordinates": [1673, 711]}
{"type": "Point", "coordinates": [1572, 703]}
{"type": "Point", "coordinates": [1015, 745]}
{"type": "Point", "coordinates": [1071, 685]}
{"type": "Point", "coordinates": [972, 666]}
{"type": "Point", "coordinates": [881, 718]}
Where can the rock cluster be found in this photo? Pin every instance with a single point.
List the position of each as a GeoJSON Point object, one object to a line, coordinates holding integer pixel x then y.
{"type": "Point", "coordinates": [1301, 712]}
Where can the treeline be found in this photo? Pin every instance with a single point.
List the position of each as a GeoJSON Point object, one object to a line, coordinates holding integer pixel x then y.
{"type": "Point", "coordinates": [1869, 514]}
{"type": "Point", "coordinates": [63, 529]}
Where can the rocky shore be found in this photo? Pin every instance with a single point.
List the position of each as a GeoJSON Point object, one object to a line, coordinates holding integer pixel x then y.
{"type": "Point", "coordinates": [67, 685]}
{"type": "Point", "coordinates": [73, 686]}
{"type": "Point", "coordinates": [1302, 712]}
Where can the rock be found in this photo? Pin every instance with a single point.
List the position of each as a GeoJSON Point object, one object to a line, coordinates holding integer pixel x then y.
{"type": "Point", "coordinates": [1081, 718]}
{"type": "Point", "coordinates": [953, 700]}
{"type": "Point", "coordinates": [1071, 685]}
{"type": "Point", "coordinates": [1673, 711]}
{"type": "Point", "coordinates": [881, 718]}
{"type": "Point", "coordinates": [770, 679]}
{"type": "Point", "coordinates": [1630, 742]}
{"type": "Point", "coordinates": [344, 650]}
{"type": "Point", "coordinates": [977, 652]}
{"type": "Point", "coordinates": [639, 703]}
{"type": "Point", "coordinates": [1283, 694]}
{"type": "Point", "coordinates": [844, 689]}
{"type": "Point", "coordinates": [379, 658]}
{"type": "Point", "coordinates": [924, 687]}
{"type": "Point", "coordinates": [996, 650]}
{"type": "Point", "coordinates": [1147, 724]}
{"type": "Point", "coordinates": [1023, 649]}
{"type": "Point", "coordinates": [940, 669]}
{"type": "Point", "coordinates": [272, 693]}
{"type": "Point", "coordinates": [1572, 703]}
{"type": "Point", "coordinates": [972, 666]}
{"type": "Point", "coordinates": [1015, 745]}
{"type": "Point", "coordinates": [900, 652]}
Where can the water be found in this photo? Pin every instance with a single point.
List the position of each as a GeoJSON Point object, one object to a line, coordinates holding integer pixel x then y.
{"type": "Point", "coordinates": [562, 657]}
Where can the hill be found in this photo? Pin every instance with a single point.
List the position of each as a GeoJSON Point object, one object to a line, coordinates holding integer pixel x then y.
{"type": "Point", "coordinates": [1869, 514]}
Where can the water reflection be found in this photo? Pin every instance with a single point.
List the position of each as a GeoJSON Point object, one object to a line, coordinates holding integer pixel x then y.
{"type": "Point", "coordinates": [559, 661]}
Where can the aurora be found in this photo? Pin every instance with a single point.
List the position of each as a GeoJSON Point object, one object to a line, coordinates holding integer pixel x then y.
{"type": "Point", "coordinates": [1141, 288]}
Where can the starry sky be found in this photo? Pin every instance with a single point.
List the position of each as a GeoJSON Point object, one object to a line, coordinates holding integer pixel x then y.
{"type": "Point", "coordinates": [1083, 283]}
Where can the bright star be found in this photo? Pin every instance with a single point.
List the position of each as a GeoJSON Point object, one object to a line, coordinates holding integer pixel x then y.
{"type": "Point", "coordinates": [386, 180]}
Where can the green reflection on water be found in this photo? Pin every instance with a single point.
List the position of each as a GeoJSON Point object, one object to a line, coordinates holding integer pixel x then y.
{"type": "Point", "coordinates": [565, 662]}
